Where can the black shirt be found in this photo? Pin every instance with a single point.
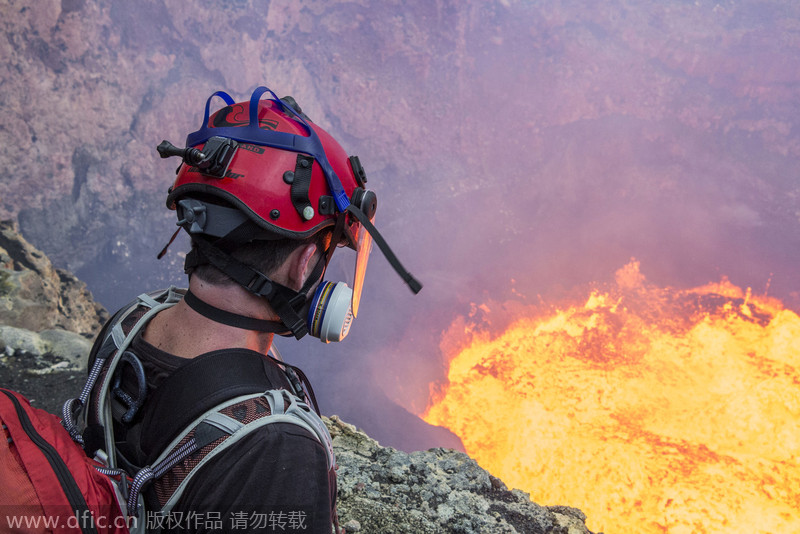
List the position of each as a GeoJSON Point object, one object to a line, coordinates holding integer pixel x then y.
{"type": "Point", "coordinates": [274, 479]}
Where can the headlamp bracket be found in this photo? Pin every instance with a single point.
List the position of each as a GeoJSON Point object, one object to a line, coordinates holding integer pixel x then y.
{"type": "Point", "coordinates": [219, 152]}
{"type": "Point", "coordinates": [213, 160]}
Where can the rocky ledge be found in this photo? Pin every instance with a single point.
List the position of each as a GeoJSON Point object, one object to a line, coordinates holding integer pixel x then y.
{"type": "Point", "coordinates": [47, 316]}
{"type": "Point", "coordinates": [47, 322]}
{"type": "Point", "coordinates": [439, 490]}
{"type": "Point", "coordinates": [48, 319]}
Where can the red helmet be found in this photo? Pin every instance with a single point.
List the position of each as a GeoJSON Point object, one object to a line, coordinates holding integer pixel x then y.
{"type": "Point", "coordinates": [286, 174]}
{"type": "Point", "coordinates": [261, 170]}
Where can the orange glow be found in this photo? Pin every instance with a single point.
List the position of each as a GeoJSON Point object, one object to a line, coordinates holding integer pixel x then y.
{"type": "Point", "coordinates": [651, 409]}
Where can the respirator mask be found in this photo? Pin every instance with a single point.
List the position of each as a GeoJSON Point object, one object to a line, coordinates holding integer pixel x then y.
{"type": "Point", "coordinates": [334, 305]}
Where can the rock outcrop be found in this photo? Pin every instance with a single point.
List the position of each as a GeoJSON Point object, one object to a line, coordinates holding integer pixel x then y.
{"type": "Point", "coordinates": [47, 316]}
{"type": "Point", "coordinates": [440, 490]}
{"type": "Point", "coordinates": [36, 296]}
{"type": "Point", "coordinates": [48, 319]}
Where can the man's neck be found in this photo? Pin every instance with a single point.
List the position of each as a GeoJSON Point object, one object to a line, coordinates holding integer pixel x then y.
{"type": "Point", "coordinates": [183, 332]}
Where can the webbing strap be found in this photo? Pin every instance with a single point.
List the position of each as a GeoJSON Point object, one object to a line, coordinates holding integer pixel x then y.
{"type": "Point", "coordinates": [297, 414]}
{"type": "Point", "coordinates": [223, 375]}
{"type": "Point", "coordinates": [229, 425]}
{"type": "Point", "coordinates": [276, 401]}
{"type": "Point", "coordinates": [407, 277]}
{"type": "Point", "coordinates": [281, 403]}
{"type": "Point", "coordinates": [111, 337]}
{"type": "Point", "coordinates": [300, 186]}
{"type": "Point", "coordinates": [244, 275]}
{"type": "Point", "coordinates": [148, 301]}
{"type": "Point", "coordinates": [231, 319]}
{"type": "Point", "coordinates": [171, 297]}
{"type": "Point", "coordinates": [280, 297]}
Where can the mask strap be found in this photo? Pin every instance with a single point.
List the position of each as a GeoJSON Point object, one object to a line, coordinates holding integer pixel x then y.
{"type": "Point", "coordinates": [407, 277]}
{"type": "Point", "coordinates": [231, 319]}
{"type": "Point", "coordinates": [316, 275]}
{"type": "Point", "coordinates": [282, 299]}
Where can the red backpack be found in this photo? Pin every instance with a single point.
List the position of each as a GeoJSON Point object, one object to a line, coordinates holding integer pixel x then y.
{"type": "Point", "coordinates": [47, 483]}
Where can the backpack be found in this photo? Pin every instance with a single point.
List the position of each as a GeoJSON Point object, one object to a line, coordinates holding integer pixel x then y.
{"type": "Point", "coordinates": [190, 428]}
{"type": "Point", "coordinates": [48, 483]}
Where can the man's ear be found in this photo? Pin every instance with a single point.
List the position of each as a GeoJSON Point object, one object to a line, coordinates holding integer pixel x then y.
{"type": "Point", "coordinates": [301, 265]}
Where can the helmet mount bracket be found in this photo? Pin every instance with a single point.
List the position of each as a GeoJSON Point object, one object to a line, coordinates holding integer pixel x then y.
{"type": "Point", "coordinates": [213, 160]}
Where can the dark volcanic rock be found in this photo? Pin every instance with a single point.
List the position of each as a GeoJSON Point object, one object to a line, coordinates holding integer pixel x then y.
{"type": "Point", "coordinates": [47, 321]}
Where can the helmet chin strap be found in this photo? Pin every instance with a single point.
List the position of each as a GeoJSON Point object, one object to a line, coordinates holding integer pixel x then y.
{"type": "Point", "coordinates": [286, 302]}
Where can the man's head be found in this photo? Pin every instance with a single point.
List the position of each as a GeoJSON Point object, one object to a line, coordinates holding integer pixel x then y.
{"type": "Point", "coordinates": [269, 257]}
{"type": "Point", "coordinates": [262, 190]}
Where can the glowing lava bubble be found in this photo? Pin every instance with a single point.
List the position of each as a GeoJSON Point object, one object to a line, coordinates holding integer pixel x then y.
{"type": "Point", "coordinates": [651, 409]}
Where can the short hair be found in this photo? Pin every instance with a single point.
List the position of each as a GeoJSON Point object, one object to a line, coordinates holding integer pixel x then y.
{"type": "Point", "coordinates": [265, 256]}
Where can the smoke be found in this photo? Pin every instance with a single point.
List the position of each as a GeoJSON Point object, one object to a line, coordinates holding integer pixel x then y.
{"type": "Point", "coordinates": [583, 140]}
{"type": "Point", "coordinates": [518, 150]}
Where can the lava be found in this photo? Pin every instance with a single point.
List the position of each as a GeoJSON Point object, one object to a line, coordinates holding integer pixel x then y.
{"type": "Point", "coordinates": [651, 409]}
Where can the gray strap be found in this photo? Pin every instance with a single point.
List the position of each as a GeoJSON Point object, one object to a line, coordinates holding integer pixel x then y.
{"type": "Point", "coordinates": [229, 425]}
{"type": "Point", "coordinates": [173, 295]}
{"type": "Point", "coordinates": [297, 413]}
{"type": "Point", "coordinates": [304, 413]}
{"type": "Point", "coordinates": [244, 431]}
{"type": "Point", "coordinates": [148, 301]}
{"type": "Point", "coordinates": [275, 398]}
{"type": "Point", "coordinates": [202, 417]}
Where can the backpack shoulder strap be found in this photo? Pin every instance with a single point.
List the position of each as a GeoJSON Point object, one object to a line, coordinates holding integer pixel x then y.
{"type": "Point", "coordinates": [283, 407]}
{"type": "Point", "coordinates": [186, 413]}
{"type": "Point", "coordinates": [107, 351]}
{"type": "Point", "coordinates": [196, 407]}
{"type": "Point", "coordinates": [198, 386]}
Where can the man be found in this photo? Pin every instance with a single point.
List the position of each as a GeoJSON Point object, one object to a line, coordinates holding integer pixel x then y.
{"type": "Point", "coordinates": [267, 197]}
